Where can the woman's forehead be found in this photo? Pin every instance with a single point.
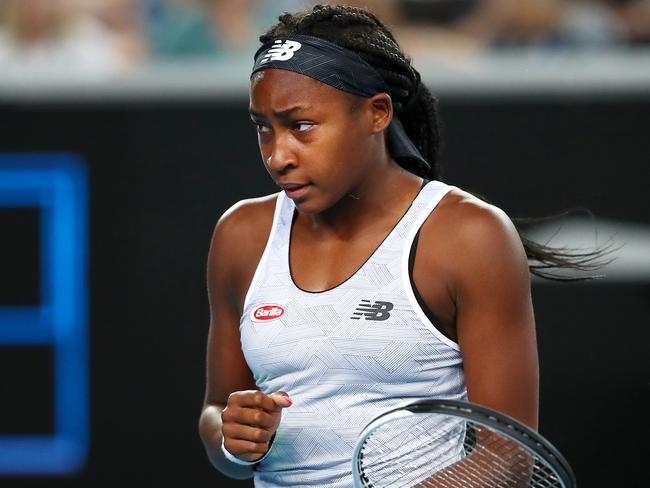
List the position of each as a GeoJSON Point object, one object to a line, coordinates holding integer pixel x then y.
{"type": "Point", "coordinates": [275, 85]}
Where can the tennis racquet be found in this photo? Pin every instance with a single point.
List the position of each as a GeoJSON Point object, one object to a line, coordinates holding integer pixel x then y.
{"type": "Point", "coordinates": [449, 444]}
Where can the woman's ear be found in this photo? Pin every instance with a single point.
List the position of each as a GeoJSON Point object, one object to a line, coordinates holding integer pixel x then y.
{"type": "Point", "coordinates": [381, 107]}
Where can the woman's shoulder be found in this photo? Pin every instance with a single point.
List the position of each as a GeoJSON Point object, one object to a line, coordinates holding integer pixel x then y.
{"type": "Point", "coordinates": [242, 231]}
{"type": "Point", "coordinates": [247, 218]}
{"type": "Point", "coordinates": [468, 245]}
{"type": "Point", "coordinates": [472, 228]}
{"type": "Point", "coordinates": [470, 213]}
{"type": "Point", "coordinates": [238, 242]}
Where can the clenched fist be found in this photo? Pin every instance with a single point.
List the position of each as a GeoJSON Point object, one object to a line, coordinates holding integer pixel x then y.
{"type": "Point", "coordinates": [249, 421]}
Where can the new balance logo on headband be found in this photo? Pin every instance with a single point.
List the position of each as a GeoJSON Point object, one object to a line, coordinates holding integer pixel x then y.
{"type": "Point", "coordinates": [281, 51]}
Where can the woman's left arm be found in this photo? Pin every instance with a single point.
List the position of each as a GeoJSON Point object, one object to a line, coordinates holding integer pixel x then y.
{"type": "Point", "coordinates": [494, 313]}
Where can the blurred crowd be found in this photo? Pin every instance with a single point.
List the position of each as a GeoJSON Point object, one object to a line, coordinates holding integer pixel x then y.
{"type": "Point", "coordinates": [105, 37]}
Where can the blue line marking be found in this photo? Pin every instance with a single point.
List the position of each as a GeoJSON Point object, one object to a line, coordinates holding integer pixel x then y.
{"type": "Point", "coordinates": [56, 183]}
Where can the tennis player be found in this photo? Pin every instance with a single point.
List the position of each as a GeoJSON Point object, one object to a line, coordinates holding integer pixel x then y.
{"type": "Point", "coordinates": [365, 282]}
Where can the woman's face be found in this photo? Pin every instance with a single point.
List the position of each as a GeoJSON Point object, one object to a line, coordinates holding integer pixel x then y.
{"type": "Point", "coordinates": [316, 141]}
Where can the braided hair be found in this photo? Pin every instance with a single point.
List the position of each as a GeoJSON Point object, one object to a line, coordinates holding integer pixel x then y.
{"type": "Point", "coordinates": [362, 32]}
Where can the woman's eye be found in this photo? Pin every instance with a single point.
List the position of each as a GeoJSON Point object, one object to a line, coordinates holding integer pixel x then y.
{"type": "Point", "coordinates": [302, 126]}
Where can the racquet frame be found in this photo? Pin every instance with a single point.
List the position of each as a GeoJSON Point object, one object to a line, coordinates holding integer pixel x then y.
{"type": "Point", "coordinates": [498, 422]}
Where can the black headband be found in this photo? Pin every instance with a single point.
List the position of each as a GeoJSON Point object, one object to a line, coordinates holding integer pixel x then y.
{"type": "Point", "coordinates": [340, 68]}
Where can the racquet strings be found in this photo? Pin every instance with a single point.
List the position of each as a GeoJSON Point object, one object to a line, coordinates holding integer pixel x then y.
{"type": "Point", "coordinates": [438, 450]}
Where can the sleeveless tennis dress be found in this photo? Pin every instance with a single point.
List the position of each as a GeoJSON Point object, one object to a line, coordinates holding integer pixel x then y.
{"type": "Point", "coordinates": [343, 355]}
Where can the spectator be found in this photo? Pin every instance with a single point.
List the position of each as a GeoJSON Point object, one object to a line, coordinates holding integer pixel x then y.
{"type": "Point", "coordinates": [634, 19]}
{"type": "Point", "coordinates": [180, 29]}
{"type": "Point", "coordinates": [123, 21]}
{"type": "Point", "coordinates": [204, 29]}
{"type": "Point", "coordinates": [55, 39]}
{"type": "Point", "coordinates": [470, 26]}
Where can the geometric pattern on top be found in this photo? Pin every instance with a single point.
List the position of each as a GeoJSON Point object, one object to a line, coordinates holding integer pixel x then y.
{"type": "Point", "coordinates": [343, 355]}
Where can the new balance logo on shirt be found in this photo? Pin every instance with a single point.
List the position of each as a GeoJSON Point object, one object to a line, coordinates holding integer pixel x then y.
{"type": "Point", "coordinates": [281, 51]}
{"type": "Point", "coordinates": [372, 311]}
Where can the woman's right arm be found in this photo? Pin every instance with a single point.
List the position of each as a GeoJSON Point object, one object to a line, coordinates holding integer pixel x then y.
{"type": "Point", "coordinates": [235, 414]}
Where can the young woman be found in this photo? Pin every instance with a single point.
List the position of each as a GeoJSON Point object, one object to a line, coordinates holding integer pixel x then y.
{"type": "Point", "coordinates": [366, 282]}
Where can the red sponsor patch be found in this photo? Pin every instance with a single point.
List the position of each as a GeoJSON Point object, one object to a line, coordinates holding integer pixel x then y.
{"type": "Point", "coordinates": [266, 312]}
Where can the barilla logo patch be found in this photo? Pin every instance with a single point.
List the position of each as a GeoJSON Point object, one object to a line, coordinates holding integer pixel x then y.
{"type": "Point", "coordinates": [266, 312]}
{"type": "Point", "coordinates": [281, 51]}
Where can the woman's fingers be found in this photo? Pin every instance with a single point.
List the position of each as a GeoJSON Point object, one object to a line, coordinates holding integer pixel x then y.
{"type": "Point", "coordinates": [249, 416]}
{"type": "Point", "coordinates": [254, 399]}
{"type": "Point", "coordinates": [281, 399]}
{"type": "Point", "coordinates": [247, 433]}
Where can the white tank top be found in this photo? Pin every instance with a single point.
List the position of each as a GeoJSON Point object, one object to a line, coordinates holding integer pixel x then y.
{"type": "Point", "coordinates": [343, 355]}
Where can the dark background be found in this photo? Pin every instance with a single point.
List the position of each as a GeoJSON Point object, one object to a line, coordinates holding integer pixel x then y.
{"type": "Point", "coordinates": [162, 172]}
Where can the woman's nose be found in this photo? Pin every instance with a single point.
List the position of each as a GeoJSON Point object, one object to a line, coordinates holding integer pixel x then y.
{"type": "Point", "coordinates": [281, 157]}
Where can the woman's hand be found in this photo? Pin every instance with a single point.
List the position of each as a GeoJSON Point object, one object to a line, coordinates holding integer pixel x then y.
{"type": "Point", "coordinates": [249, 421]}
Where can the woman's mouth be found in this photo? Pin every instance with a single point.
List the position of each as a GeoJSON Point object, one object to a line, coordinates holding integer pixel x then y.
{"type": "Point", "coordinates": [294, 191]}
